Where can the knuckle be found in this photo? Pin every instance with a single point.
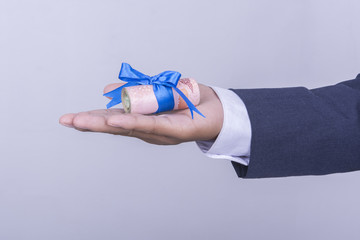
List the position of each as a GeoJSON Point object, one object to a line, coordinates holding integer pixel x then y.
{"type": "Point", "coordinates": [80, 120]}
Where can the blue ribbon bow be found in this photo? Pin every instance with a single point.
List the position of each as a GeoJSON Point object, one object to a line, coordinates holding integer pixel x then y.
{"type": "Point", "coordinates": [162, 85]}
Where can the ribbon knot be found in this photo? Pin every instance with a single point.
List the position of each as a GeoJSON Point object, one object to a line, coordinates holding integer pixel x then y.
{"type": "Point", "coordinates": [162, 83]}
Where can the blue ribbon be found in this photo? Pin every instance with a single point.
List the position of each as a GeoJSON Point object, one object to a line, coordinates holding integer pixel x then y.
{"type": "Point", "coordinates": [162, 85]}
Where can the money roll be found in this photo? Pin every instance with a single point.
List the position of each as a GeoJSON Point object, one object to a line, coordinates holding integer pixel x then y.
{"type": "Point", "coordinates": [141, 98]}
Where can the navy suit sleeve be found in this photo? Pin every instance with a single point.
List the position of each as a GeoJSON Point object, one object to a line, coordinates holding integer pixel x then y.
{"type": "Point", "coordinates": [297, 131]}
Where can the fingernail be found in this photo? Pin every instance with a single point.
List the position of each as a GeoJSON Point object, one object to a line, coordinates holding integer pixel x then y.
{"type": "Point", "coordinates": [66, 125]}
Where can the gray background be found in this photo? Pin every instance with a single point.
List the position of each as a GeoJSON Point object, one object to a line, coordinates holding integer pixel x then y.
{"type": "Point", "coordinates": [56, 56]}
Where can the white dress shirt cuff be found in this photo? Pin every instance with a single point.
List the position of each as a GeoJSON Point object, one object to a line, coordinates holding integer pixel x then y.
{"type": "Point", "coordinates": [234, 139]}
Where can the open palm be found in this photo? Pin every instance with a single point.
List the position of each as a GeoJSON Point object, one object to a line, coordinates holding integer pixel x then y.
{"type": "Point", "coordinates": [171, 127]}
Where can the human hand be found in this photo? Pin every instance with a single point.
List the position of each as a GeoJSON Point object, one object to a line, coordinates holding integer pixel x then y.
{"type": "Point", "coordinates": [166, 128]}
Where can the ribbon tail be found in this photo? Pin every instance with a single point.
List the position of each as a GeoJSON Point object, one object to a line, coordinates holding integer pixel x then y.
{"type": "Point", "coordinates": [113, 102]}
{"type": "Point", "coordinates": [190, 105]}
{"type": "Point", "coordinates": [116, 95]}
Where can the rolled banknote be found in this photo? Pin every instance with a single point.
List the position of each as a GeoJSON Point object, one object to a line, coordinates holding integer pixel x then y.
{"type": "Point", "coordinates": [141, 98]}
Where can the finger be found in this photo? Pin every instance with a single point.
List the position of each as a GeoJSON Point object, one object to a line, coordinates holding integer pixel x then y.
{"type": "Point", "coordinates": [67, 119]}
{"type": "Point", "coordinates": [161, 125]}
{"type": "Point", "coordinates": [95, 121]}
